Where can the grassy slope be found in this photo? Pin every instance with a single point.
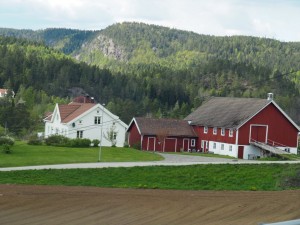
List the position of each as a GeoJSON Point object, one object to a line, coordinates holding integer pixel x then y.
{"type": "Point", "coordinates": [25, 155]}
{"type": "Point", "coordinates": [198, 177]}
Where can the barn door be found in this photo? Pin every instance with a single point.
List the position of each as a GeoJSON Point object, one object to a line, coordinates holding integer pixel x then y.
{"type": "Point", "coordinates": [186, 144]}
{"type": "Point", "coordinates": [241, 152]}
{"type": "Point", "coordinates": [258, 133]}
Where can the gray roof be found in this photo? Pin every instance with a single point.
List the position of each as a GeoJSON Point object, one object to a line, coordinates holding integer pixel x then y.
{"type": "Point", "coordinates": [169, 127]}
{"type": "Point", "coordinates": [226, 112]}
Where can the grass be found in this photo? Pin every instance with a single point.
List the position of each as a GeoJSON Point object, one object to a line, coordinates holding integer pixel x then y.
{"type": "Point", "coordinates": [202, 154]}
{"type": "Point", "coordinates": [28, 155]}
{"type": "Point", "coordinates": [271, 177]}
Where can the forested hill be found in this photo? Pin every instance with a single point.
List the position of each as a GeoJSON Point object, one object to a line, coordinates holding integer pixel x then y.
{"type": "Point", "coordinates": [148, 69]}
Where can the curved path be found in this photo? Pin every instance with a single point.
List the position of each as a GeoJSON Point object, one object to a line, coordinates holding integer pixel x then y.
{"type": "Point", "coordinates": [170, 160]}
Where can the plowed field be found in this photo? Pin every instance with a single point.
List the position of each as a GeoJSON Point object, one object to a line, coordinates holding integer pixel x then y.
{"type": "Point", "coordinates": [53, 205]}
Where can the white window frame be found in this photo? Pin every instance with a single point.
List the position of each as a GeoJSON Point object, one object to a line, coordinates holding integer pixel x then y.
{"type": "Point", "coordinates": [230, 132]}
{"type": "Point", "coordinates": [214, 145]}
{"type": "Point", "coordinates": [193, 142]}
{"type": "Point", "coordinates": [230, 148]}
{"type": "Point", "coordinates": [205, 130]}
{"type": "Point", "coordinates": [222, 146]}
{"type": "Point", "coordinates": [222, 131]}
{"type": "Point", "coordinates": [215, 131]}
{"type": "Point", "coordinates": [79, 134]}
{"type": "Point", "coordinates": [97, 120]}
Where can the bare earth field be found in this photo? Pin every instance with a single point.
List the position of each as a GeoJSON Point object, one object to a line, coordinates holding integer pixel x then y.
{"type": "Point", "coordinates": [53, 205]}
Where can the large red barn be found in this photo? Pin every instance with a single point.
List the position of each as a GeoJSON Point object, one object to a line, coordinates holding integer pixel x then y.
{"type": "Point", "coordinates": [239, 127]}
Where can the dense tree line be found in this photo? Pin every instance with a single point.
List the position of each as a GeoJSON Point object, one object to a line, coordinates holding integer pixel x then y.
{"type": "Point", "coordinates": [167, 72]}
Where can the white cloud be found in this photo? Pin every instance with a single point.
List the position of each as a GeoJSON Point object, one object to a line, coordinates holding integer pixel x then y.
{"type": "Point", "coordinates": [266, 18]}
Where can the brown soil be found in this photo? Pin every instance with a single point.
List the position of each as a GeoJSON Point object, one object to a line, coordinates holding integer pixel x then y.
{"type": "Point", "coordinates": [55, 205]}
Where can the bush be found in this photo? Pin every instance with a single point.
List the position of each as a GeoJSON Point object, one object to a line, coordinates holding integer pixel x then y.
{"type": "Point", "coordinates": [34, 140]}
{"type": "Point", "coordinates": [6, 149]}
{"type": "Point", "coordinates": [6, 140]}
{"type": "Point", "coordinates": [80, 142]}
{"type": "Point", "coordinates": [57, 140]}
{"type": "Point", "coordinates": [95, 142]}
{"type": "Point", "coordinates": [137, 146]}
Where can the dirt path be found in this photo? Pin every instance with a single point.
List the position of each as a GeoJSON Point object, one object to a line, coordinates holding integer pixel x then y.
{"type": "Point", "coordinates": [55, 205]}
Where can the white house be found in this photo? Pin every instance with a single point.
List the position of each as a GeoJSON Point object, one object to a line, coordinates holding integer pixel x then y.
{"type": "Point", "coordinates": [86, 120]}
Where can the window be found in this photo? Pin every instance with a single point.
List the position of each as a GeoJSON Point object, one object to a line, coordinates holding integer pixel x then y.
{"type": "Point", "coordinates": [193, 143]}
{"type": "Point", "coordinates": [222, 146]}
{"type": "Point", "coordinates": [230, 132]}
{"type": "Point", "coordinates": [215, 131]}
{"type": "Point", "coordinates": [205, 130]}
{"type": "Point", "coordinates": [115, 135]}
{"type": "Point", "coordinates": [230, 148]}
{"type": "Point", "coordinates": [214, 145]}
{"type": "Point", "coordinates": [79, 134]}
{"type": "Point", "coordinates": [223, 131]}
{"type": "Point", "coordinates": [97, 120]}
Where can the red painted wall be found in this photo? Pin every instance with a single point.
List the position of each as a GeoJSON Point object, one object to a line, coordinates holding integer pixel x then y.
{"type": "Point", "coordinates": [134, 135]}
{"type": "Point", "coordinates": [279, 128]}
{"type": "Point", "coordinates": [211, 137]}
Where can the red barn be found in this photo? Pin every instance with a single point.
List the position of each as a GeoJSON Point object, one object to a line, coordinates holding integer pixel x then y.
{"type": "Point", "coordinates": [165, 135]}
{"type": "Point", "coordinates": [244, 127]}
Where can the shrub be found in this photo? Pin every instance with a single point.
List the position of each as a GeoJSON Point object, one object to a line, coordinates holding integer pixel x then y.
{"type": "Point", "coordinates": [6, 149]}
{"type": "Point", "coordinates": [95, 142]}
{"type": "Point", "coordinates": [6, 140]}
{"type": "Point", "coordinates": [34, 140]}
{"type": "Point", "coordinates": [137, 146]}
{"type": "Point", "coordinates": [57, 140]}
{"type": "Point", "coordinates": [80, 142]}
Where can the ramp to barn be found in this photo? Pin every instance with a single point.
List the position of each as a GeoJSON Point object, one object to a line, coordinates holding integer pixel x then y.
{"type": "Point", "coordinates": [269, 148]}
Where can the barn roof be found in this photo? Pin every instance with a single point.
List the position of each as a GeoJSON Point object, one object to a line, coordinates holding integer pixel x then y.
{"type": "Point", "coordinates": [73, 110]}
{"type": "Point", "coordinates": [168, 127]}
{"type": "Point", "coordinates": [226, 112]}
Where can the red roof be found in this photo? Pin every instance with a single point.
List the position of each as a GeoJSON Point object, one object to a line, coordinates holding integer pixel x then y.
{"type": "Point", "coordinates": [73, 110]}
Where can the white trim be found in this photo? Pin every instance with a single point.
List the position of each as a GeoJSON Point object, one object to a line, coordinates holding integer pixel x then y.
{"type": "Point", "coordinates": [134, 120]}
{"type": "Point", "coordinates": [230, 132]}
{"type": "Point", "coordinates": [277, 106]}
{"type": "Point", "coordinates": [148, 143]}
{"type": "Point", "coordinates": [237, 136]}
{"type": "Point", "coordinates": [193, 142]}
{"type": "Point", "coordinates": [259, 125]}
{"type": "Point", "coordinates": [188, 140]}
{"type": "Point", "coordinates": [205, 129]}
{"type": "Point", "coordinates": [170, 139]}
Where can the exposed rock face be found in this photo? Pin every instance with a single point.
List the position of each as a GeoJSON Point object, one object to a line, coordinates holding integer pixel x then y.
{"type": "Point", "coordinates": [106, 46]}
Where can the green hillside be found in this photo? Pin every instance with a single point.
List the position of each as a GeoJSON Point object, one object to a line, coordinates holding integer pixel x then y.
{"type": "Point", "coordinates": [139, 69]}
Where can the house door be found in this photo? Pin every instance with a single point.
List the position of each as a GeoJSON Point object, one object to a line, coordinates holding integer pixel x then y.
{"type": "Point", "coordinates": [186, 144]}
{"type": "Point", "coordinates": [151, 144]}
{"type": "Point", "coordinates": [204, 146]}
{"type": "Point", "coordinates": [258, 133]}
{"type": "Point", "coordinates": [241, 152]}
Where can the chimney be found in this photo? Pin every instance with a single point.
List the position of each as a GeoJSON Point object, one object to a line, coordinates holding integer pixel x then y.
{"type": "Point", "coordinates": [270, 96]}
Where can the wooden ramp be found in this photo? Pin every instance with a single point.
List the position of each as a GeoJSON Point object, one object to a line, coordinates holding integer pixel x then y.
{"type": "Point", "coordinates": [269, 148]}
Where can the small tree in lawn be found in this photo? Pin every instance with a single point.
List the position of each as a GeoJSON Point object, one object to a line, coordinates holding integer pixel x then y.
{"type": "Point", "coordinates": [161, 137]}
{"type": "Point", "coordinates": [111, 135]}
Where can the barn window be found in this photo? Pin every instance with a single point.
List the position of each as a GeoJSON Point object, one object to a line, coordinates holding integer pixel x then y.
{"type": "Point", "coordinates": [205, 130]}
{"type": "Point", "coordinates": [215, 131]}
{"type": "Point", "coordinates": [214, 145]}
{"type": "Point", "coordinates": [223, 131]}
{"type": "Point", "coordinates": [222, 146]}
{"type": "Point", "coordinates": [97, 120]}
{"type": "Point", "coordinates": [230, 148]}
{"type": "Point", "coordinates": [193, 142]}
{"type": "Point", "coordinates": [230, 132]}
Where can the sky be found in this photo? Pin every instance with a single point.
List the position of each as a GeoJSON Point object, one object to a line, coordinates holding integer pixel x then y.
{"type": "Point", "coordinates": [277, 19]}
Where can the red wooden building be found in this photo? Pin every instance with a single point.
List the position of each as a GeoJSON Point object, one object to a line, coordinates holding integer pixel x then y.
{"type": "Point", "coordinates": [165, 135]}
{"type": "Point", "coordinates": [239, 127]}
{"type": "Point", "coordinates": [244, 127]}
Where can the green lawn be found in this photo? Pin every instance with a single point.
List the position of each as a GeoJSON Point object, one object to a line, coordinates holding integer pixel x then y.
{"type": "Point", "coordinates": [28, 155]}
{"type": "Point", "coordinates": [202, 154]}
{"type": "Point", "coordinates": [271, 177]}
